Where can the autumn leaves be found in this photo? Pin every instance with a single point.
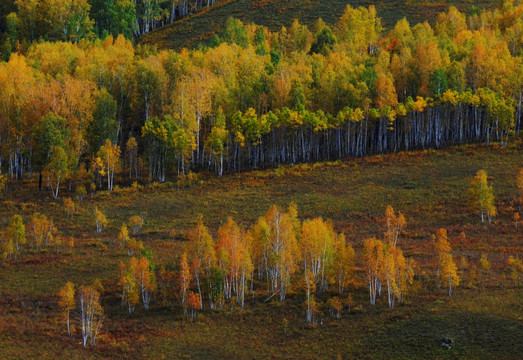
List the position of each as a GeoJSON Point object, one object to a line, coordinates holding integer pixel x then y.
{"type": "Point", "coordinates": [384, 262]}
{"type": "Point", "coordinates": [256, 98]}
{"type": "Point", "coordinates": [86, 304]}
{"type": "Point", "coordinates": [278, 254]}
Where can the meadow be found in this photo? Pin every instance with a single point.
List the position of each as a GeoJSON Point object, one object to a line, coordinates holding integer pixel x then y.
{"type": "Point", "coordinates": [201, 26]}
{"type": "Point", "coordinates": [484, 317]}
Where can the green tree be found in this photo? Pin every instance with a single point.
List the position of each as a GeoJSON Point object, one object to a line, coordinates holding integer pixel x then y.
{"type": "Point", "coordinates": [16, 233]}
{"type": "Point", "coordinates": [104, 125]}
{"type": "Point", "coordinates": [324, 41]}
{"type": "Point", "coordinates": [69, 19]}
{"type": "Point", "coordinates": [12, 28]}
{"type": "Point", "coordinates": [49, 133]}
{"type": "Point", "coordinates": [218, 140]}
{"type": "Point", "coordinates": [234, 32]}
{"type": "Point", "coordinates": [58, 169]}
{"type": "Point", "coordinates": [438, 82]}
{"type": "Point", "coordinates": [114, 17]}
{"type": "Point", "coordinates": [29, 18]}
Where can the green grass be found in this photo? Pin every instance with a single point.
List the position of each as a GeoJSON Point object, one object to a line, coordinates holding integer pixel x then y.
{"type": "Point", "coordinates": [200, 27]}
{"type": "Point", "coordinates": [429, 187]}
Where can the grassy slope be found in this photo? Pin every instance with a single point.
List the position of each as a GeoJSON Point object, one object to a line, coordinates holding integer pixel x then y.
{"type": "Point", "coordinates": [429, 187]}
{"type": "Point", "coordinates": [274, 13]}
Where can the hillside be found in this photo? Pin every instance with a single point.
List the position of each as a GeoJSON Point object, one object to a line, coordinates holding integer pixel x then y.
{"type": "Point", "coordinates": [274, 14]}
{"type": "Point", "coordinates": [304, 193]}
{"type": "Point", "coordinates": [483, 317]}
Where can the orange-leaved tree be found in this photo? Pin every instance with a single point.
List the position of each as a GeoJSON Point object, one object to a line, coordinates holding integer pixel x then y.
{"type": "Point", "coordinates": [146, 280]}
{"type": "Point", "coordinates": [194, 304]}
{"type": "Point", "coordinates": [41, 230]}
{"type": "Point", "coordinates": [184, 279]}
{"type": "Point", "coordinates": [70, 206]}
{"type": "Point", "coordinates": [233, 254]}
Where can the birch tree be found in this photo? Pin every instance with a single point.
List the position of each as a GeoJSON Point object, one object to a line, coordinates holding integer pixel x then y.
{"type": "Point", "coordinates": [372, 257]}
{"type": "Point", "coordinates": [146, 280]}
{"type": "Point", "coordinates": [110, 156]}
{"type": "Point", "coordinates": [202, 249]}
{"type": "Point", "coordinates": [283, 251]}
{"type": "Point", "coordinates": [16, 233]}
{"type": "Point", "coordinates": [91, 314]}
{"type": "Point", "coordinates": [184, 279]}
{"type": "Point", "coordinates": [66, 302]}
{"type": "Point", "coordinates": [100, 220]}
{"type": "Point", "coordinates": [481, 196]}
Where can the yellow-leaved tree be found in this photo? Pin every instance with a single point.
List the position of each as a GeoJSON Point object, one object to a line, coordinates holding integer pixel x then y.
{"type": "Point", "coordinates": [343, 265]}
{"type": "Point", "coordinates": [395, 223]}
{"type": "Point", "coordinates": [66, 303]}
{"type": "Point", "coordinates": [447, 270]}
{"type": "Point", "coordinates": [373, 256]}
{"type": "Point", "coordinates": [202, 252]}
{"type": "Point", "coordinates": [127, 281]}
{"type": "Point", "coordinates": [123, 235]}
{"type": "Point", "coordinates": [481, 196]}
{"type": "Point", "coordinates": [136, 222]}
{"type": "Point", "coordinates": [41, 230]}
{"type": "Point", "coordinates": [110, 156]}
{"type": "Point", "coordinates": [100, 220]}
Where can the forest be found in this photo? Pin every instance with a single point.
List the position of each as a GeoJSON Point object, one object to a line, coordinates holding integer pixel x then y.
{"type": "Point", "coordinates": [256, 99]}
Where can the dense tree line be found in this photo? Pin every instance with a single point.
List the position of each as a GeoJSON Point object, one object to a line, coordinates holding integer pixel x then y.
{"type": "Point", "coordinates": [84, 113]}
